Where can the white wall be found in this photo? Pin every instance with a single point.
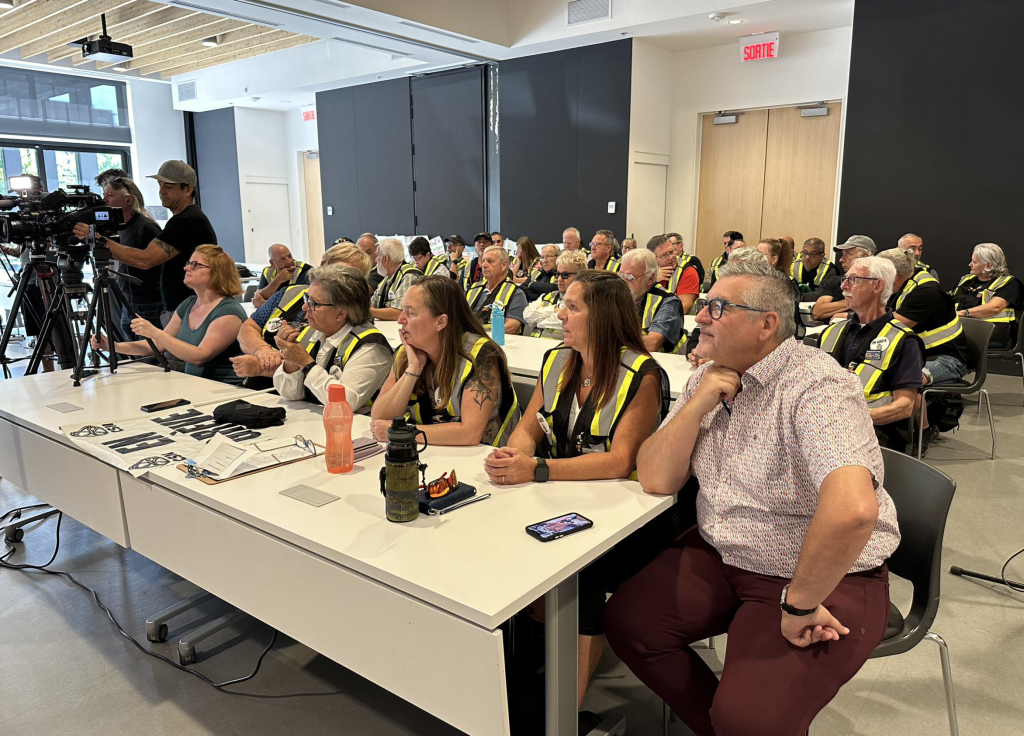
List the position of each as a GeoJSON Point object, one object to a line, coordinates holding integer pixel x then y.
{"type": "Point", "coordinates": [158, 131]}
{"type": "Point", "coordinates": [268, 142]}
{"type": "Point", "coordinates": [811, 67]}
{"type": "Point", "coordinates": [652, 91]}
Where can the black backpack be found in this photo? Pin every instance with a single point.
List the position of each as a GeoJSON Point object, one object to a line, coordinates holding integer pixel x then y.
{"type": "Point", "coordinates": [944, 411]}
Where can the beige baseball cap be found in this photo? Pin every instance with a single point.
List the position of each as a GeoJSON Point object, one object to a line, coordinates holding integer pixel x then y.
{"type": "Point", "coordinates": [175, 172]}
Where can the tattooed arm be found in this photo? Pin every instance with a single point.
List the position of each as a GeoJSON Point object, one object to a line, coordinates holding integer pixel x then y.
{"type": "Point", "coordinates": [480, 395]}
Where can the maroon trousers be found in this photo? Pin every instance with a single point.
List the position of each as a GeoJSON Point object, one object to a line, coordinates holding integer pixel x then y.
{"type": "Point", "coordinates": [769, 687]}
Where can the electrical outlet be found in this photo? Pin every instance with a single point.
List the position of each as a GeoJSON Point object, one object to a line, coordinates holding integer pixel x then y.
{"type": "Point", "coordinates": [611, 208]}
{"type": "Point", "coordinates": [330, 210]}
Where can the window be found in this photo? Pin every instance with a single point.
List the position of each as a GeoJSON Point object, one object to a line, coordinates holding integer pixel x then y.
{"type": "Point", "coordinates": [34, 103]}
{"type": "Point", "coordinates": [58, 165]}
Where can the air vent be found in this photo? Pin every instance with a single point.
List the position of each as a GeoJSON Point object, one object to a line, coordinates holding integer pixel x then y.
{"type": "Point", "coordinates": [371, 46]}
{"type": "Point", "coordinates": [588, 11]}
{"type": "Point", "coordinates": [225, 14]}
{"type": "Point", "coordinates": [187, 90]}
{"type": "Point", "coordinates": [428, 29]}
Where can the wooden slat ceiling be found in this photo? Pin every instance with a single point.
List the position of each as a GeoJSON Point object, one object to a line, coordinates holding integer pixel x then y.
{"type": "Point", "coordinates": [165, 40]}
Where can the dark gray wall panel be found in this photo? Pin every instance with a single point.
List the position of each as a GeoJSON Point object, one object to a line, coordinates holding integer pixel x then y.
{"type": "Point", "coordinates": [338, 181]}
{"type": "Point", "coordinates": [217, 159]}
{"type": "Point", "coordinates": [933, 140]}
{"type": "Point", "coordinates": [602, 147]}
{"type": "Point", "coordinates": [537, 144]}
{"type": "Point", "coordinates": [384, 157]}
{"type": "Point", "coordinates": [448, 134]}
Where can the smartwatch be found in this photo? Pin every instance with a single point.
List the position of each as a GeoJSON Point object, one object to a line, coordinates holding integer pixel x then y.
{"type": "Point", "coordinates": [307, 368]}
{"type": "Point", "coordinates": [791, 610]}
{"type": "Point", "coordinates": [541, 473]}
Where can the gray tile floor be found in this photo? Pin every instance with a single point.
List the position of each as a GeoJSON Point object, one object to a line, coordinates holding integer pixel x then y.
{"type": "Point", "coordinates": [64, 669]}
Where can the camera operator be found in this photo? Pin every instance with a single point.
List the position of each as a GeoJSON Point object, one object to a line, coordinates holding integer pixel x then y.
{"type": "Point", "coordinates": [172, 248]}
{"type": "Point", "coordinates": [138, 231]}
{"type": "Point", "coordinates": [35, 308]}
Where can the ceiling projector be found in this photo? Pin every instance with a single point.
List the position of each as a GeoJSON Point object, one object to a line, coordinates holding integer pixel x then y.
{"type": "Point", "coordinates": [102, 48]}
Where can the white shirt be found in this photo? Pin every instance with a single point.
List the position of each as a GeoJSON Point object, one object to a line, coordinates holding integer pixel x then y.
{"type": "Point", "coordinates": [364, 373]}
{"type": "Point", "coordinates": [542, 315]}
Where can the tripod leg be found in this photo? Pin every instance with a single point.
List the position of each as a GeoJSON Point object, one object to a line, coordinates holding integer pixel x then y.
{"type": "Point", "coordinates": [119, 298]}
{"type": "Point", "coordinates": [103, 320]}
{"type": "Point", "coordinates": [45, 332]}
{"type": "Point", "coordinates": [80, 363]}
{"type": "Point", "coordinates": [5, 339]}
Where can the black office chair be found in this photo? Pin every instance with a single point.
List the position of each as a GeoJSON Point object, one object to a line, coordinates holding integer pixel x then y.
{"type": "Point", "coordinates": [922, 496]}
{"type": "Point", "coordinates": [1015, 352]}
{"type": "Point", "coordinates": [250, 291]}
{"type": "Point", "coordinates": [978, 333]}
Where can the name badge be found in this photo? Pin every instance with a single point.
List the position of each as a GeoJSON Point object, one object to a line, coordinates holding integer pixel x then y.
{"type": "Point", "coordinates": [391, 296]}
{"type": "Point", "coordinates": [873, 355]}
{"type": "Point", "coordinates": [273, 325]}
{"type": "Point", "coordinates": [880, 343]}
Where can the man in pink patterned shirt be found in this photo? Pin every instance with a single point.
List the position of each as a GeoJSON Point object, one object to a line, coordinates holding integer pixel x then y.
{"type": "Point", "coordinates": [794, 527]}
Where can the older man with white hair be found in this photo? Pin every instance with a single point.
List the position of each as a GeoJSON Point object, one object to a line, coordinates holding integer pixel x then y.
{"type": "Point", "coordinates": [883, 352]}
{"type": "Point", "coordinates": [660, 317]}
{"type": "Point", "coordinates": [856, 246]}
{"type": "Point", "coordinates": [398, 276]}
{"type": "Point", "coordinates": [497, 288]}
{"type": "Point", "coordinates": [544, 278]}
{"type": "Point", "coordinates": [571, 240]}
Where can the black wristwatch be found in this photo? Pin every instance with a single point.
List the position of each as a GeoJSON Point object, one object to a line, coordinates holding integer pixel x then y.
{"type": "Point", "coordinates": [792, 610]}
{"type": "Point", "coordinates": [541, 473]}
{"type": "Point", "coordinates": [307, 368]}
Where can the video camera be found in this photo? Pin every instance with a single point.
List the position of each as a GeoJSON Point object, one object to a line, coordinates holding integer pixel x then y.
{"type": "Point", "coordinates": [36, 219]}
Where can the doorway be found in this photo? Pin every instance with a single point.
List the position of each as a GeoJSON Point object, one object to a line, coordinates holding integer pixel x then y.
{"type": "Point", "coordinates": [771, 173]}
{"type": "Point", "coordinates": [266, 219]}
{"type": "Point", "coordinates": [313, 205]}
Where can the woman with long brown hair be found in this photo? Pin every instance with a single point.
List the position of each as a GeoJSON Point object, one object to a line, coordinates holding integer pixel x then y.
{"type": "Point", "coordinates": [779, 253]}
{"type": "Point", "coordinates": [449, 377]}
{"type": "Point", "coordinates": [527, 258]}
{"type": "Point", "coordinates": [599, 396]}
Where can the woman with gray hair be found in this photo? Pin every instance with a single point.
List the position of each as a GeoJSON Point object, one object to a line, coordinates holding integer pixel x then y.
{"type": "Point", "coordinates": [340, 345]}
{"type": "Point", "coordinates": [991, 293]}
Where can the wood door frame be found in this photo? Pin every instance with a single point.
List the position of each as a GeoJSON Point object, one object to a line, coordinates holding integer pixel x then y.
{"type": "Point", "coordinates": [691, 235]}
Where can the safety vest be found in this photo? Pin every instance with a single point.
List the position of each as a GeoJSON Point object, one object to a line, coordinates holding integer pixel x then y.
{"type": "Point", "coordinates": [406, 270]}
{"type": "Point", "coordinates": [715, 265]}
{"type": "Point", "coordinates": [301, 269]}
{"type": "Point", "coordinates": [465, 272]}
{"type": "Point", "coordinates": [597, 437]}
{"type": "Point", "coordinates": [290, 305]}
{"type": "Point", "coordinates": [506, 290]}
{"type": "Point", "coordinates": [940, 335]}
{"type": "Point", "coordinates": [613, 265]}
{"type": "Point", "coordinates": [1008, 314]}
{"type": "Point", "coordinates": [436, 265]}
{"type": "Point", "coordinates": [366, 334]}
{"type": "Point", "coordinates": [873, 372]}
{"type": "Point", "coordinates": [921, 268]}
{"type": "Point", "coordinates": [553, 298]}
{"type": "Point", "coordinates": [421, 406]}
{"type": "Point", "coordinates": [677, 275]}
{"type": "Point", "coordinates": [652, 302]}
{"type": "Point", "coordinates": [796, 271]}
{"type": "Point", "coordinates": [685, 260]}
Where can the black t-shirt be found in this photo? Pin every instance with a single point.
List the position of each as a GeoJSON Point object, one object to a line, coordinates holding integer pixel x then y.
{"type": "Point", "coordinates": [138, 233]}
{"type": "Point", "coordinates": [969, 295]}
{"type": "Point", "coordinates": [183, 232]}
{"type": "Point", "coordinates": [930, 307]}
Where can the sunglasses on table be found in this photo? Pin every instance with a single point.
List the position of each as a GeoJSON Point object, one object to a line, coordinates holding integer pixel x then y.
{"type": "Point", "coordinates": [441, 487]}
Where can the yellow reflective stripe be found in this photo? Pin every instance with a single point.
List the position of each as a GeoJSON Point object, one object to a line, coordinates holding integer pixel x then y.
{"type": "Point", "coordinates": [305, 340]}
{"type": "Point", "coordinates": [467, 368]}
{"type": "Point", "coordinates": [552, 356]}
{"type": "Point", "coordinates": [942, 335]}
{"type": "Point", "coordinates": [651, 309]}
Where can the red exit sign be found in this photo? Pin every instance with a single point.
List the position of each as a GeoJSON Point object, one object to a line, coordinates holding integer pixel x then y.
{"type": "Point", "coordinates": [308, 115]}
{"type": "Point", "coordinates": [760, 46]}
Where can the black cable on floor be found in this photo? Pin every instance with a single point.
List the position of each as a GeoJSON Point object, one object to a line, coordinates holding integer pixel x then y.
{"type": "Point", "coordinates": [63, 573]}
{"type": "Point", "coordinates": [1002, 573]}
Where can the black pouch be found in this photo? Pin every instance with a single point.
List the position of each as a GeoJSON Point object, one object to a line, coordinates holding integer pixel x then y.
{"type": "Point", "coordinates": [436, 505]}
{"type": "Point", "coordinates": [249, 415]}
{"type": "Point", "coordinates": [944, 411]}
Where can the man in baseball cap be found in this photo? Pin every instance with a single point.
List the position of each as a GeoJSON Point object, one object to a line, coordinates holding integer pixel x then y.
{"type": "Point", "coordinates": [173, 247]}
{"type": "Point", "coordinates": [855, 246]}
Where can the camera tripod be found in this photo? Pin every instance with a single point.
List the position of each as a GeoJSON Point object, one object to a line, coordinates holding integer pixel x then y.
{"type": "Point", "coordinates": [58, 331]}
{"type": "Point", "coordinates": [104, 285]}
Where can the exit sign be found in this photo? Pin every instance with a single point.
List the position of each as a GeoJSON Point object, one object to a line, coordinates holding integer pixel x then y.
{"type": "Point", "coordinates": [308, 115]}
{"type": "Point", "coordinates": [760, 46]}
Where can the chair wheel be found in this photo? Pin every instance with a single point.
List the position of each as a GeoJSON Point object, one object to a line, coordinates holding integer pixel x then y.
{"type": "Point", "coordinates": [161, 635]}
{"type": "Point", "coordinates": [183, 660]}
{"type": "Point", "coordinates": [14, 535]}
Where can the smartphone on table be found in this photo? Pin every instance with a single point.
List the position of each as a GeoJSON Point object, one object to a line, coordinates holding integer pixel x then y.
{"type": "Point", "coordinates": [560, 526]}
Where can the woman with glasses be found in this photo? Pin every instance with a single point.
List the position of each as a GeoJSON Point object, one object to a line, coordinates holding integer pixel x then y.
{"type": "Point", "coordinates": [339, 346]}
{"type": "Point", "coordinates": [203, 331]}
{"type": "Point", "coordinates": [448, 377]}
{"type": "Point", "coordinates": [599, 396]}
{"type": "Point", "coordinates": [541, 314]}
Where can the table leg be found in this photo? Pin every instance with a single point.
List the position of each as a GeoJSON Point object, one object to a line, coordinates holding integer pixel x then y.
{"type": "Point", "coordinates": [561, 659]}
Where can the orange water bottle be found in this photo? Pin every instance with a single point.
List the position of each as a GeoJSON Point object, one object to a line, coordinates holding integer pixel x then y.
{"type": "Point", "coordinates": [338, 426]}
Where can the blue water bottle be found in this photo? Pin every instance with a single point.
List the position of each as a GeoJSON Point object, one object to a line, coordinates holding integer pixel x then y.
{"type": "Point", "coordinates": [497, 323]}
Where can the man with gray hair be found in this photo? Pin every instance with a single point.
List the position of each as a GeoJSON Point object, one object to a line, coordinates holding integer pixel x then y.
{"type": "Point", "coordinates": [883, 352]}
{"type": "Point", "coordinates": [856, 246]}
{"type": "Point", "coordinates": [913, 246]}
{"type": "Point", "coordinates": [282, 272]}
{"type": "Point", "coordinates": [660, 317]}
{"type": "Point", "coordinates": [397, 276]}
{"type": "Point", "coordinates": [571, 240]}
{"type": "Point", "coordinates": [367, 243]}
{"type": "Point", "coordinates": [497, 288]}
{"type": "Point", "coordinates": [793, 525]}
